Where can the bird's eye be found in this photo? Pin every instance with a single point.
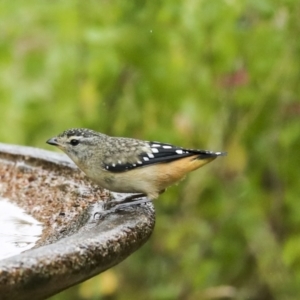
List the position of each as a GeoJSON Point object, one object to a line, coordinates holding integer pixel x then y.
{"type": "Point", "coordinates": [74, 142]}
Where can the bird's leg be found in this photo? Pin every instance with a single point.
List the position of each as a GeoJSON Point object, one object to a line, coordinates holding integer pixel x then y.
{"type": "Point", "coordinates": [112, 206]}
{"type": "Point", "coordinates": [126, 201]}
{"type": "Point", "coordinates": [130, 203]}
{"type": "Point", "coordinates": [129, 200]}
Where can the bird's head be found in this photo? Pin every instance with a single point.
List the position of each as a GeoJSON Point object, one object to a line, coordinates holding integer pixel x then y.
{"type": "Point", "coordinates": [78, 143]}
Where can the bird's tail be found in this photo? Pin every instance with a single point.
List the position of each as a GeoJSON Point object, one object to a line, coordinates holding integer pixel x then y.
{"type": "Point", "coordinates": [210, 154]}
{"type": "Point", "coordinates": [204, 158]}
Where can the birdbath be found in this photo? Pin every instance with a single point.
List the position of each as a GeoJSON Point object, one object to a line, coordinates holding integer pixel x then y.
{"type": "Point", "coordinates": [54, 230]}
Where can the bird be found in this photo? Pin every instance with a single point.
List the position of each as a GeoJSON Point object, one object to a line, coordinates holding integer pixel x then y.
{"type": "Point", "coordinates": [128, 165]}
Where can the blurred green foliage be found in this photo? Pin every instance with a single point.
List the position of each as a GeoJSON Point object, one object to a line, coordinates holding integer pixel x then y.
{"type": "Point", "coordinates": [222, 75]}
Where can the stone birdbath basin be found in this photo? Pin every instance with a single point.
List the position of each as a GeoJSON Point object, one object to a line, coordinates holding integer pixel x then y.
{"type": "Point", "coordinates": [50, 236]}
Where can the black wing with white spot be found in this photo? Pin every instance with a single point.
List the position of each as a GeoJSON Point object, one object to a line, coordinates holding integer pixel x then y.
{"type": "Point", "coordinates": [160, 153]}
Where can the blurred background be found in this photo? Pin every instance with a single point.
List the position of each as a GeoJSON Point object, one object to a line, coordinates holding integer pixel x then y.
{"type": "Point", "coordinates": [222, 75]}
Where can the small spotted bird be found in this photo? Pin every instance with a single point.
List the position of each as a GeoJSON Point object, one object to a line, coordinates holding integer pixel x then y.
{"type": "Point", "coordinates": [129, 165]}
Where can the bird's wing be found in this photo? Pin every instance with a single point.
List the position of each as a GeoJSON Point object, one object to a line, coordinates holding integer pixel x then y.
{"type": "Point", "coordinates": [156, 152]}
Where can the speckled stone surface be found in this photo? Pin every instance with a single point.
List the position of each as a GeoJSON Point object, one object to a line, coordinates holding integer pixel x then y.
{"type": "Point", "coordinates": [75, 244]}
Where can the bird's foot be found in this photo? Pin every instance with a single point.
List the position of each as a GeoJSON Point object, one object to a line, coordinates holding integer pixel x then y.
{"type": "Point", "coordinates": [114, 205]}
{"type": "Point", "coordinates": [131, 203]}
{"type": "Point", "coordinates": [127, 201]}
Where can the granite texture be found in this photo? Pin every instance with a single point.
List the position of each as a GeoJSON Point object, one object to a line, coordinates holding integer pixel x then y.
{"type": "Point", "coordinates": [79, 240]}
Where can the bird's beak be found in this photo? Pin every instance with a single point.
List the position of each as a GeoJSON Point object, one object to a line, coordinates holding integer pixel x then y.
{"type": "Point", "coordinates": [53, 141]}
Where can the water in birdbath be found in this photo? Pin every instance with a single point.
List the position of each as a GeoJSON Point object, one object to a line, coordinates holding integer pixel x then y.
{"type": "Point", "coordinates": [18, 230]}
